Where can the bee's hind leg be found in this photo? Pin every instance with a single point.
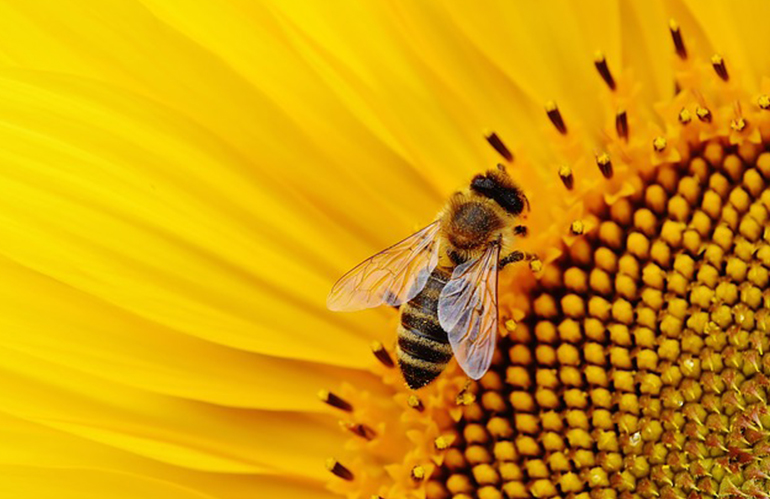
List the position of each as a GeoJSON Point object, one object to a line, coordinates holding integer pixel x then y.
{"type": "Point", "coordinates": [513, 257]}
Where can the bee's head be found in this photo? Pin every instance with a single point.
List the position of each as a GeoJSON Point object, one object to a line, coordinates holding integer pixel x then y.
{"type": "Point", "coordinates": [499, 187]}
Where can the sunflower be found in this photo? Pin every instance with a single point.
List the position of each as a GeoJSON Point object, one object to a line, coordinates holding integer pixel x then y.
{"type": "Point", "coordinates": [182, 182]}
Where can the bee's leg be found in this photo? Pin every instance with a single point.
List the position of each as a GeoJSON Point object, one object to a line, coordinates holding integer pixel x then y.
{"type": "Point", "coordinates": [512, 257]}
{"type": "Point", "coordinates": [521, 230]}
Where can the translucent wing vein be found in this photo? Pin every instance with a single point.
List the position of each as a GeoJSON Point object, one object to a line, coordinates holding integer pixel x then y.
{"type": "Point", "coordinates": [392, 276]}
{"type": "Point", "coordinates": [467, 311]}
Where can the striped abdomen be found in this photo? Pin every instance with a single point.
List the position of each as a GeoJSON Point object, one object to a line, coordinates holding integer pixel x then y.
{"type": "Point", "coordinates": [423, 347]}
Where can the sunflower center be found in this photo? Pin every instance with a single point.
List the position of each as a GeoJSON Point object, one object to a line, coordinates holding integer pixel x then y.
{"type": "Point", "coordinates": [641, 367]}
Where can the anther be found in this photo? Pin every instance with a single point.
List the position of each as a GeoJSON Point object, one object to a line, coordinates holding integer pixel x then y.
{"type": "Point", "coordinates": [676, 35]}
{"type": "Point", "coordinates": [555, 116]}
{"type": "Point", "coordinates": [498, 146]}
{"type": "Point", "coordinates": [442, 443]}
{"type": "Point", "coordinates": [510, 325]}
{"type": "Point", "coordinates": [335, 401]}
{"type": "Point", "coordinates": [361, 430]}
{"type": "Point", "coordinates": [684, 116]}
{"type": "Point", "coordinates": [738, 124]}
{"type": "Point", "coordinates": [465, 398]}
{"type": "Point", "coordinates": [703, 114]}
{"type": "Point", "coordinates": [415, 403]}
{"type": "Point", "coordinates": [577, 227]}
{"type": "Point", "coordinates": [604, 71]}
{"type": "Point", "coordinates": [604, 164]}
{"type": "Point", "coordinates": [338, 469]}
{"type": "Point", "coordinates": [565, 174]}
{"type": "Point", "coordinates": [621, 124]}
{"type": "Point", "coordinates": [418, 473]}
{"type": "Point", "coordinates": [719, 66]}
{"type": "Point", "coordinates": [382, 354]}
{"type": "Point", "coordinates": [763, 101]}
{"type": "Point", "coordinates": [535, 265]}
{"type": "Point", "coordinates": [659, 143]}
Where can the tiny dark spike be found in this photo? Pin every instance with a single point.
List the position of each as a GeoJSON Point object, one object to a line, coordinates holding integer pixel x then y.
{"type": "Point", "coordinates": [621, 124]}
{"type": "Point", "coordinates": [676, 35]}
{"type": "Point", "coordinates": [498, 146]}
{"type": "Point", "coordinates": [604, 164]}
{"type": "Point", "coordinates": [718, 62]}
{"type": "Point", "coordinates": [703, 114]}
{"type": "Point", "coordinates": [415, 403]}
{"type": "Point", "coordinates": [379, 351]}
{"type": "Point", "coordinates": [418, 473]}
{"type": "Point", "coordinates": [361, 430]}
{"type": "Point", "coordinates": [566, 176]}
{"type": "Point", "coordinates": [604, 71]}
{"type": "Point", "coordinates": [555, 116]}
{"type": "Point", "coordinates": [338, 469]}
{"type": "Point", "coordinates": [333, 400]}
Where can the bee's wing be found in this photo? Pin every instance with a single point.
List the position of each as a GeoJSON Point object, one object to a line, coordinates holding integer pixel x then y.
{"type": "Point", "coordinates": [392, 276]}
{"type": "Point", "coordinates": [467, 311]}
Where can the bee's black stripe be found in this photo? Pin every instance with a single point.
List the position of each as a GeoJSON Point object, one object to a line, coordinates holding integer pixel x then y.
{"type": "Point", "coordinates": [418, 373]}
{"type": "Point", "coordinates": [422, 324]}
{"type": "Point", "coordinates": [422, 347]}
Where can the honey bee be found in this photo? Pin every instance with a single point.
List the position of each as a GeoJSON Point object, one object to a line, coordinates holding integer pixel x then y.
{"type": "Point", "coordinates": [444, 278]}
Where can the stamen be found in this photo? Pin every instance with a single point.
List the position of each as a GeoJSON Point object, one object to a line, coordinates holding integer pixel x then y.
{"type": "Point", "coordinates": [415, 403]}
{"type": "Point", "coordinates": [361, 430]}
{"type": "Point", "coordinates": [577, 227]}
{"type": "Point", "coordinates": [555, 116]}
{"type": "Point", "coordinates": [498, 146]}
{"type": "Point", "coordinates": [659, 143]}
{"type": "Point", "coordinates": [418, 473]}
{"type": "Point", "coordinates": [338, 469]}
{"type": "Point", "coordinates": [684, 116]}
{"type": "Point", "coordinates": [719, 66]}
{"type": "Point", "coordinates": [510, 325]}
{"type": "Point", "coordinates": [382, 354]}
{"type": "Point", "coordinates": [441, 443]}
{"type": "Point", "coordinates": [703, 114]}
{"type": "Point", "coordinates": [763, 101]}
{"type": "Point", "coordinates": [604, 164]}
{"type": "Point", "coordinates": [565, 173]}
{"type": "Point", "coordinates": [621, 124]}
{"type": "Point", "coordinates": [335, 401]}
{"type": "Point", "coordinates": [604, 71]}
{"type": "Point", "coordinates": [535, 265]}
{"type": "Point", "coordinates": [676, 35]}
{"type": "Point", "coordinates": [738, 124]}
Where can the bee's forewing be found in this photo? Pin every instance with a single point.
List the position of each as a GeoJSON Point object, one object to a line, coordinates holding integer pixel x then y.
{"type": "Point", "coordinates": [392, 276]}
{"type": "Point", "coordinates": [467, 311]}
